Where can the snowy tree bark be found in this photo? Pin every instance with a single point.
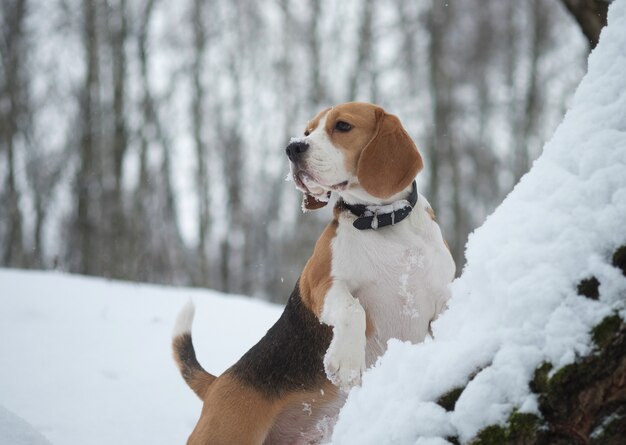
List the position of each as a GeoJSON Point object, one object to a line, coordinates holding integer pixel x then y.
{"type": "Point", "coordinates": [590, 15]}
{"type": "Point", "coordinates": [583, 403]}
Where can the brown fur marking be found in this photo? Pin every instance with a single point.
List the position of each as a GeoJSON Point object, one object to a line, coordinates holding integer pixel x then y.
{"type": "Point", "coordinates": [369, 325]}
{"type": "Point", "coordinates": [196, 377]}
{"type": "Point", "coordinates": [377, 149]}
{"type": "Point", "coordinates": [431, 213]}
{"type": "Point", "coordinates": [390, 161]}
{"type": "Point", "coordinates": [316, 278]}
{"type": "Point", "coordinates": [363, 118]}
{"type": "Point", "coordinates": [313, 123]}
{"type": "Point", "coordinates": [302, 412]}
{"type": "Point", "coordinates": [234, 413]}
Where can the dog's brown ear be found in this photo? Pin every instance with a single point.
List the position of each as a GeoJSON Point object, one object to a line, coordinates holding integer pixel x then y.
{"type": "Point", "coordinates": [390, 161]}
{"type": "Point", "coordinates": [309, 202]}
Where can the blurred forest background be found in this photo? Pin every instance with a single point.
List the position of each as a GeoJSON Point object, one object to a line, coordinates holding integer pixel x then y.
{"type": "Point", "coordinates": [144, 139]}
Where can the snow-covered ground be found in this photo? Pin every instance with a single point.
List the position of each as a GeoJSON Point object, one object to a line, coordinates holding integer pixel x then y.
{"type": "Point", "coordinates": [88, 361]}
{"type": "Point", "coordinates": [16, 431]}
{"type": "Point", "coordinates": [516, 305]}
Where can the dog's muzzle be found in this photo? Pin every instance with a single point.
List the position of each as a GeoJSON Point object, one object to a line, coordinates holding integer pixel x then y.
{"type": "Point", "coordinates": [295, 149]}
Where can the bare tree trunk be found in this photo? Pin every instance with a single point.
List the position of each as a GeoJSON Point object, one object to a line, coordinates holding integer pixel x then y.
{"type": "Point", "coordinates": [442, 154]}
{"type": "Point", "coordinates": [170, 243]}
{"type": "Point", "coordinates": [364, 51]}
{"type": "Point", "coordinates": [13, 52]}
{"type": "Point", "coordinates": [147, 105]}
{"type": "Point", "coordinates": [198, 129]}
{"type": "Point", "coordinates": [119, 261]}
{"type": "Point", "coordinates": [233, 251]}
{"type": "Point", "coordinates": [409, 26]}
{"type": "Point", "coordinates": [590, 15]}
{"type": "Point", "coordinates": [86, 183]}
{"type": "Point", "coordinates": [531, 110]}
{"type": "Point", "coordinates": [120, 134]}
{"type": "Point", "coordinates": [317, 93]}
{"type": "Point", "coordinates": [44, 171]}
{"type": "Point", "coordinates": [439, 87]}
{"type": "Point", "coordinates": [159, 252]}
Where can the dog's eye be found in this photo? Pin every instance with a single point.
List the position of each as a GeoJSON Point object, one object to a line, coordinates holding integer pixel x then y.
{"type": "Point", "coordinates": [343, 126]}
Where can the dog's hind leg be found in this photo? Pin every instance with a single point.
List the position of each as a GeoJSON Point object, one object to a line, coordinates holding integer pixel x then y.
{"type": "Point", "coordinates": [234, 413]}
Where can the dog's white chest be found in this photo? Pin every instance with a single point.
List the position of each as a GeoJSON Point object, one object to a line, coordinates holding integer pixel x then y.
{"type": "Point", "coordinates": [399, 274]}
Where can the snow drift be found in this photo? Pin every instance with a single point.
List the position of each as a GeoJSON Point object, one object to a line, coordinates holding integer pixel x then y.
{"type": "Point", "coordinates": [16, 431]}
{"type": "Point", "coordinates": [88, 361]}
{"type": "Point", "coordinates": [516, 304]}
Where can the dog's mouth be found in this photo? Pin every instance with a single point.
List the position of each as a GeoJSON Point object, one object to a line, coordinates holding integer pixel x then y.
{"type": "Point", "coordinates": [309, 184]}
{"type": "Point", "coordinates": [297, 179]}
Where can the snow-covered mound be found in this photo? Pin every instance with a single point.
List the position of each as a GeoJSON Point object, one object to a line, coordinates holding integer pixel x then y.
{"type": "Point", "coordinates": [16, 431]}
{"type": "Point", "coordinates": [516, 304]}
{"type": "Point", "coordinates": [88, 361]}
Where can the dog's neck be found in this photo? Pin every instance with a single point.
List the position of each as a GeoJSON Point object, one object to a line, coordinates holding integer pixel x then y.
{"type": "Point", "coordinates": [358, 196]}
{"type": "Point", "coordinates": [376, 216]}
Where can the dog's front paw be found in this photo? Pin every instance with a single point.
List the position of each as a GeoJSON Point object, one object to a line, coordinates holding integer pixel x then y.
{"type": "Point", "coordinates": [344, 363]}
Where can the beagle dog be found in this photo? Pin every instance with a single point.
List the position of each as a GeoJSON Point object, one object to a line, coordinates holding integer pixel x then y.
{"type": "Point", "coordinates": [380, 270]}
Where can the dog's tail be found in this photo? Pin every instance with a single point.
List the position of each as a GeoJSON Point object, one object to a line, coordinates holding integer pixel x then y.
{"type": "Point", "coordinates": [185, 356]}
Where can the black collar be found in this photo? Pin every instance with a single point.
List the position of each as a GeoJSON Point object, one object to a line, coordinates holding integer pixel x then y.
{"type": "Point", "coordinates": [375, 217]}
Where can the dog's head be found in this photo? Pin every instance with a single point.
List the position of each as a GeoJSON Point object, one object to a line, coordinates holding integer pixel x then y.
{"type": "Point", "coordinates": [357, 150]}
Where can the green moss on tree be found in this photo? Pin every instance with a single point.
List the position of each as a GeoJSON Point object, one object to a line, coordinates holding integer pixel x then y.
{"type": "Point", "coordinates": [539, 383]}
{"type": "Point", "coordinates": [619, 259]}
{"type": "Point", "coordinates": [448, 400]}
{"type": "Point", "coordinates": [492, 435]}
{"type": "Point", "coordinates": [579, 397]}
{"type": "Point", "coordinates": [522, 427]}
{"type": "Point", "coordinates": [606, 330]}
{"type": "Point", "coordinates": [590, 288]}
{"type": "Point", "coordinates": [563, 375]}
{"type": "Point", "coordinates": [453, 440]}
{"type": "Point", "coordinates": [581, 403]}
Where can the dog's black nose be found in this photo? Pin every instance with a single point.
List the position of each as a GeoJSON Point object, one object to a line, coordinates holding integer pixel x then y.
{"type": "Point", "coordinates": [295, 149]}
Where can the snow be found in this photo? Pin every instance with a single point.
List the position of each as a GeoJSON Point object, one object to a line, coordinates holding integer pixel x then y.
{"type": "Point", "coordinates": [385, 209]}
{"type": "Point", "coordinates": [516, 306]}
{"type": "Point", "coordinates": [16, 431]}
{"type": "Point", "coordinates": [87, 360]}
